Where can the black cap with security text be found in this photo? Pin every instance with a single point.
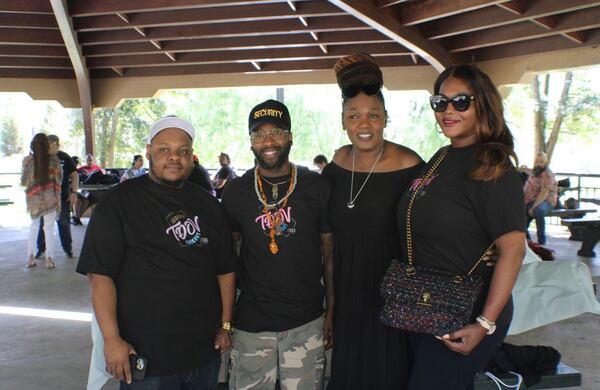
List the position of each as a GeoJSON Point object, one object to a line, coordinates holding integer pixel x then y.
{"type": "Point", "coordinates": [269, 111]}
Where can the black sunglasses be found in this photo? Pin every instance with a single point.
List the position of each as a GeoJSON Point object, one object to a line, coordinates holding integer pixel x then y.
{"type": "Point", "coordinates": [369, 89]}
{"type": "Point", "coordinates": [460, 102]}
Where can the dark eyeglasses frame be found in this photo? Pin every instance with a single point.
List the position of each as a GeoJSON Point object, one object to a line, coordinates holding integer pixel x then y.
{"type": "Point", "coordinates": [439, 103]}
{"type": "Point", "coordinates": [275, 133]}
{"type": "Point", "coordinates": [352, 90]}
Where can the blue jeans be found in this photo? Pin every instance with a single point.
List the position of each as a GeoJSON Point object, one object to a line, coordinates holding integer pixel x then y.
{"type": "Point", "coordinates": [64, 229]}
{"type": "Point", "coordinates": [203, 378]}
{"type": "Point", "coordinates": [539, 215]}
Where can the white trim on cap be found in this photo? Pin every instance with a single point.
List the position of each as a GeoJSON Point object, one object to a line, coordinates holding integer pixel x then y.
{"type": "Point", "coordinates": [171, 122]}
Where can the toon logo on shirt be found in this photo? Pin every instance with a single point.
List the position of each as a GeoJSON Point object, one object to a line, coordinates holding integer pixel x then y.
{"type": "Point", "coordinates": [280, 219]}
{"type": "Point", "coordinates": [185, 229]}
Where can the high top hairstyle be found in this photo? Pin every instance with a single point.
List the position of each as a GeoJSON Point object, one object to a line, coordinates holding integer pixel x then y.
{"type": "Point", "coordinates": [495, 138]}
{"type": "Point", "coordinates": [358, 68]}
{"type": "Point", "coordinates": [40, 149]}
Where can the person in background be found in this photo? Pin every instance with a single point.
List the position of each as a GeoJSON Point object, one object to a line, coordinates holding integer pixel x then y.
{"type": "Point", "coordinates": [68, 199]}
{"type": "Point", "coordinates": [41, 175]}
{"type": "Point", "coordinates": [541, 194]}
{"type": "Point", "coordinates": [159, 259]}
{"type": "Point", "coordinates": [320, 161]}
{"type": "Point", "coordinates": [137, 168]}
{"type": "Point", "coordinates": [90, 166]}
{"type": "Point", "coordinates": [201, 177]}
{"type": "Point", "coordinates": [369, 176]}
{"type": "Point", "coordinates": [473, 198]}
{"type": "Point", "coordinates": [224, 175]}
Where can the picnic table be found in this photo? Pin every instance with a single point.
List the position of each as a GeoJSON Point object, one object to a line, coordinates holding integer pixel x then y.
{"type": "Point", "coordinates": [591, 233]}
{"type": "Point", "coordinates": [595, 200]}
{"type": "Point", "coordinates": [576, 231]}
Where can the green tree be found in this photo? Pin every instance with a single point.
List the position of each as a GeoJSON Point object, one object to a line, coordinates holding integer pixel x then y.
{"type": "Point", "coordinates": [10, 141]}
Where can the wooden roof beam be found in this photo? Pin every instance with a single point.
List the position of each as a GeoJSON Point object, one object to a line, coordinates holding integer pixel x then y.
{"type": "Point", "coordinates": [236, 43]}
{"type": "Point", "coordinates": [27, 20]}
{"type": "Point", "coordinates": [82, 76]}
{"type": "Point", "coordinates": [337, 23]}
{"type": "Point", "coordinates": [381, 21]}
{"type": "Point", "coordinates": [26, 6]}
{"type": "Point", "coordinates": [95, 7]}
{"type": "Point", "coordinates": [35, 62]}
{"type": "Point", "coordinates": [577, 36]}
{"type": "Point", "coordinates": [483, 19]}
{"type": "Point", "coordinates": [574, 21]}
{"type": "Point", "coordinates": [260, 55]}
{"type": "Point", "coordinates": [24, 50]}
{"type": "Point", "coordinates": [31, 36]}
{"type": "Point", "coordinates": [257, 12]}
{"type": "Point", "coordinates": [424, 11]}
{"type": "Point", "coordinates": [515, 6]}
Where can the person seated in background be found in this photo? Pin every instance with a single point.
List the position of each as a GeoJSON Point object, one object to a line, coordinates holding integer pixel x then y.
{"type": "Point", "coordinates": [137, 168]}
{"type": "Point", "coordinates": [89, 173]}
{"type": "Point", "coordinates": [541, 194]}
{"type": "Point", "coordinates": [320, 161]}
{"type": "Point", "coordinates": [201, 177]}
{"type": "Point", "coordinates": [89, 168]}
{"type": "Point", "coordinates": [224, 175]}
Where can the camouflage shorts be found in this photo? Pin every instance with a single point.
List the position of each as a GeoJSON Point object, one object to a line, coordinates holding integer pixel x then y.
{"type": "Point", "coordinates": [296, 357]}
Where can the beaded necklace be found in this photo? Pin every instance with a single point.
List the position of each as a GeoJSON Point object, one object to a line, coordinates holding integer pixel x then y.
{"type": "Point", "coordinates": [274, 218]}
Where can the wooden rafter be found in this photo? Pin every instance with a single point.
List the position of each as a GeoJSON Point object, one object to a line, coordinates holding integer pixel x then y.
{"type": "Point", "coordinates": [424, 11]}
{"type": "Point", "coordinates": [387, 25]}
{"type": "Point", "coordinates": [81, 72]}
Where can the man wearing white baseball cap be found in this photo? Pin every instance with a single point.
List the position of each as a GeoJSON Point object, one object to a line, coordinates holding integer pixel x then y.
{"type": "Point", "coordinates": [158, 255]}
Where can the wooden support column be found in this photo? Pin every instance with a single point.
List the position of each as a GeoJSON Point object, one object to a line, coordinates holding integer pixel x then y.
{"type": "Point", "coordinates": [65, 24]}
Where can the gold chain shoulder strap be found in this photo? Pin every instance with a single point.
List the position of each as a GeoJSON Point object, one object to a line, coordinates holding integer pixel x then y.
{"type": "Point", "coordinates": [410, 270]}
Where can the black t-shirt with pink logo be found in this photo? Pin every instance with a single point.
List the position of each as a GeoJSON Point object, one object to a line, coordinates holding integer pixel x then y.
{"type": "Point", "coordinates": [455, 218]}
{"type": "Point", "coordinates": [164, 248]}
{"type": "Point", "coordinates": [284, 290]}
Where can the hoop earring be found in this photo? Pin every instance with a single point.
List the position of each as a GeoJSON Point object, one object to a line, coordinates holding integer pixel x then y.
{"type": "Point", "coordinates": [438, 128]}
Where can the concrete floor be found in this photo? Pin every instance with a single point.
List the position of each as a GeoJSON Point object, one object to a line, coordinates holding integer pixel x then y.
{"type": "Point", "coordinates": [47, 353]}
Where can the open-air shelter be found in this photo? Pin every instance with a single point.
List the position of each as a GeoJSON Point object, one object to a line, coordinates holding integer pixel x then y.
{"type": "Point", "coordinates": [91, 53]}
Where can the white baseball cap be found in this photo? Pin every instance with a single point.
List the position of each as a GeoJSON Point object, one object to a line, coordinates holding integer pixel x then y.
{"type": "Point", "coordinates": [171, 122]}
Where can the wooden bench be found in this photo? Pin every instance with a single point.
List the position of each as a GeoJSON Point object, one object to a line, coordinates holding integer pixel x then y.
{"type": "Point", "coordinates": [591, 233]}
{"type": "Point", "coordinates": [565, 376]}
{"type": "Point", "coordinates": [576, 231]}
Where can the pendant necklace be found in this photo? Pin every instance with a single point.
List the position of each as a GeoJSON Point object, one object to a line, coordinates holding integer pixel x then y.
{"type": "Point", "coordinates": [350, 204]}
{"type": "Point", "coordinates": [274, 218]}
{"type": "Point", "coordinates": [275, 187]}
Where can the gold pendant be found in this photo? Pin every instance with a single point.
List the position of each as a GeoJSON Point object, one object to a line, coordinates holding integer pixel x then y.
{"type": "Point", "coordinates": [275, 192]}
{"type": "Point", "coordinates": [273, 248]}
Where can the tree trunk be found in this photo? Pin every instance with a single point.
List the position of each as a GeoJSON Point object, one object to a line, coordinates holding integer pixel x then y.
{"type": "Point", "coordinates": [540, 109]}
{"type": "Point", "coordinates": [560, 113]}
{"type": "Point", "coordinates": [110, 152]}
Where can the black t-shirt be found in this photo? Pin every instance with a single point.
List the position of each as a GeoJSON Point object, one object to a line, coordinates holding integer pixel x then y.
{"type": "Point", "coordinates": [67, 168]}
{"type": "Point", "coordinates": [164, 248]}
{"type": "Point", "coordinates": [201, 177]}
{"type": "Point", "coordinates": [455, 218]}
{"type": "Point", "coordinates": [279, 291]}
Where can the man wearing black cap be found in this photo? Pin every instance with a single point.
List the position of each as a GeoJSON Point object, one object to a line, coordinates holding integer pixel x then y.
{"type": "Point", "coordinates": [279, 212]}
{"type": "Point", "coordinates": [68, 197]}
{"type": "Point", "coordinates": [158, 254]}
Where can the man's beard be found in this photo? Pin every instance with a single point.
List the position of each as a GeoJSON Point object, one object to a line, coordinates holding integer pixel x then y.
{"type": "Point", "coordinates": [284, 153]}
{"type": "Point", "coordinates": [537, 170]}
{"type": "Point", "coordinates": [168, 183]}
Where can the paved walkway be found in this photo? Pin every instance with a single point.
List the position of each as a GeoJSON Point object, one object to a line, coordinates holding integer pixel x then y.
{"type": "Point", "coordinates": [38, 352]}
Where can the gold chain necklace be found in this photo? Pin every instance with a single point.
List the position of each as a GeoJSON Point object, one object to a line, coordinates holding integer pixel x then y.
{"type": "Point", "coordinates": [275, 186]}
{"type": "Point", "coordinates": [275, 218]}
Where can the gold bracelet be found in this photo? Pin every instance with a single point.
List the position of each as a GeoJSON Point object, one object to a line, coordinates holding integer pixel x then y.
{"type": "Point", "coordinates": [227, 326]}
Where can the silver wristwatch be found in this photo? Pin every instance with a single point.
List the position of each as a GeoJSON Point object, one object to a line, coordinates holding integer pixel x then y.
{"type": "Point", "coordinates": [489, 326]}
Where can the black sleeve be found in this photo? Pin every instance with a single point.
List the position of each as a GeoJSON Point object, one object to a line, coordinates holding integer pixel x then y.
{"type": "Point", "coordinates": [103, 249]}
{"type": "Point", "coordinates": [68, 166]}
{"type": "Point", "coordinates": [206, 182]}
{"type": "Point", "coordinates": [501, 205]}
{"type": "Point", "coordinates": [226, 256]}
{"type": "Point", "coordinates": [229, 176]}
{"type": "Point", "coordinates": [324, 194]}
{"type": "Point", "coordinates": [229, 203]}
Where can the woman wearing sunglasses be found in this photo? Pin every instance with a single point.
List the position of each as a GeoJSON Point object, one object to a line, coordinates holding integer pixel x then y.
{"type": "Point", "coordinates": [472, 199]}
{"type": "Point", "coordinates": [369, 177]}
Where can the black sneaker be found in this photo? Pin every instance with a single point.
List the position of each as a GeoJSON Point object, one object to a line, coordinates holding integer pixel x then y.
{"type": "Point", "coordinates": [76, 221]}
{"type": "Point", "coordinates": [69, 254]}
{"type": "Point", "coordinates": [40, 254]}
